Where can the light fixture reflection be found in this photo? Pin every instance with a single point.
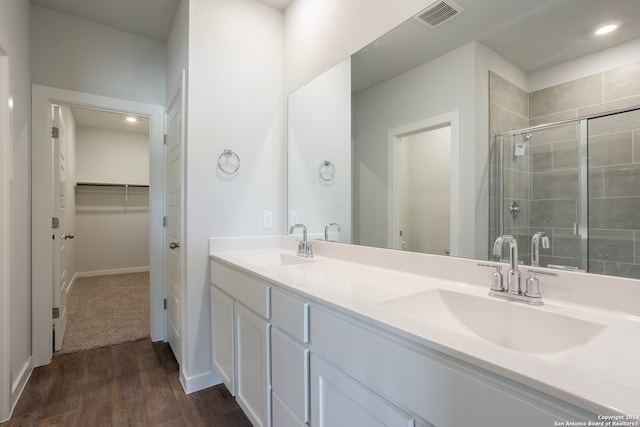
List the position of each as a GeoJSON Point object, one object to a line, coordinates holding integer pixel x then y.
{"type": "Point", "coordinates": [10, 102]}
{"type": "Point", "coordinates": [606, 29]}
{"type": "Point", "coordinates": [131, 119]}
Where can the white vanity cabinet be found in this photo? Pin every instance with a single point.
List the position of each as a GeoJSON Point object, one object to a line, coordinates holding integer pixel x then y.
{"type": "Point", "coordinates": [399, 379]}
{"type": "Point", "coordinates": [240, 305]}
{"type": "Point", "coordinates": [292, 361]}
{"type": "Point", "coordinates": [289, 359]}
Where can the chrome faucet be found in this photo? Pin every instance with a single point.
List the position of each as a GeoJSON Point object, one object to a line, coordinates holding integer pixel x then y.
{"type": "Point", "coordinates": [513, 275]}
{"type": "Point", "coordinates": [328, 226]}
{"type": "Point", "coordinates": [513, 291]}
{"type": "Point", "coordinates": [539, 237]}
{"type": "Point", "coordinates": [304, 248]}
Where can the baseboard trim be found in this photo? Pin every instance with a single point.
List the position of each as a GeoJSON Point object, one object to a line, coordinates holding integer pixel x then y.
{"type": "Point", "coordinates": [21, 381]}
{"type": "Point", "coordinates": [126, 270]}
{"type": "Point", "coordinates": [199, 382]}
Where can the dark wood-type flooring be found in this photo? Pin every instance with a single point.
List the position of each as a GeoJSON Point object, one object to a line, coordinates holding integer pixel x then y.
{"type": "Point", "coordinates": [133, 384]}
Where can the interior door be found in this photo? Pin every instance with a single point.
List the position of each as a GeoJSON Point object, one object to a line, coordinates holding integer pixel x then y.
{"type": "Point", "coordinates": [173, 200]}
{"type": "Point", "coordinates": [60, 281]}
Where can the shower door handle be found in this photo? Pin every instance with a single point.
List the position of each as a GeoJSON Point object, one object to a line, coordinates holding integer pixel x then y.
{"type": "Point", "coordinates": [174, 245]}
{"type": "Point", "coordinates": [575, 229]}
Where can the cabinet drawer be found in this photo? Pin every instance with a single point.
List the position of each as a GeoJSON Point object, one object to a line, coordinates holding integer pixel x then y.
{"type": "Point", "coordinates": [251, 291]}
{"type": "Point", "coordinates": [290, 314]}
{"type": "Point", "coordinates": [290, 373]}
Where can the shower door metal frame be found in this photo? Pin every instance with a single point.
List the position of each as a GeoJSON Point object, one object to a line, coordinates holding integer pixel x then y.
{"type": "Point", "coordinates": [499, 177]}
{"type": "Point", "coordinates": [582, 226]}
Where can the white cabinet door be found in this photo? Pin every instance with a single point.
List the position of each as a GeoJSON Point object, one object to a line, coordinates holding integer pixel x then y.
{"type": "Point", "coordinates": [290, 374]}
{"type": "Point", "coordinates": [282, 416]}
{"type": "Point", "coordinates": [337, 400]}
{"type": "Point", "coordinates": [222, 341]}
{"type": "Point", "coordinates": [252, 364]}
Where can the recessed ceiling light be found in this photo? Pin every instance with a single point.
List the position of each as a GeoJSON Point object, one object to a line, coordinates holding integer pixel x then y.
{"type": "Point", "coordinates": [131, 119]}
{"type": "Point", "coordinates": [606, 29]}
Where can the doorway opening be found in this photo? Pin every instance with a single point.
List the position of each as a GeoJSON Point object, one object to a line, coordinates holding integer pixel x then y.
{"type": "Point", "coordinates": [424, 186]}
{"type": "Point", "coordinates": [100, 282]}
{"type": "Point", "coordinates": [43, 202]}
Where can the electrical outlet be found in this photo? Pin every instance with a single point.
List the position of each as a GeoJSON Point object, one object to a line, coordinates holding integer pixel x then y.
{"type": "Point", "coordinates": [267, 219]}
{"type": "Point", "coordinates": [294, 218]}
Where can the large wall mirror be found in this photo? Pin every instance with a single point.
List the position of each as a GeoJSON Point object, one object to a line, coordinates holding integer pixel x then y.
{"type": "Point", "coordinates": [443, 134]}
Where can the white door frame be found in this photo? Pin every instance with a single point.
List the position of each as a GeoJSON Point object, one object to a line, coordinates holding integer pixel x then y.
{"type": "Point", "coordinates": [41, 163]}
{"type": "Point", "coordinates": [395, 136]}
{"type": "Point", "coordinates": [6, 165]}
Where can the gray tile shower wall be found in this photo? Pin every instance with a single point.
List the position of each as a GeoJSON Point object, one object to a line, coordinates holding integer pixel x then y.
{"type": "Point", "coordinates": [509, 110]}
{"type": "Point", "coordinates": [614, 192]}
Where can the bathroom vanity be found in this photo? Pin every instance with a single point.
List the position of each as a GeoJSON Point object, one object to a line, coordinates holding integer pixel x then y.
{"type": "Point", "coordinates": [365, 337]}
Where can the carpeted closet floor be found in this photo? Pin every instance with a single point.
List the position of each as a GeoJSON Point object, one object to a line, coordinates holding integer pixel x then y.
{"type": "Point", "coordinates": [106, 310]}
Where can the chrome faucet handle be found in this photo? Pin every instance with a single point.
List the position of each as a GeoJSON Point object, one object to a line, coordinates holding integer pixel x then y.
{"type": "Point", "coordinates": [532, 289]}
{"type": "Point", "coordinates": [496, 278]}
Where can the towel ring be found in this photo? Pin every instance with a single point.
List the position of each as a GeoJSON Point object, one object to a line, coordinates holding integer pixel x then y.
{"type": "Point", "coordinates": [326, 170]}
{"type": "Point", "coordinates": [228, 162]}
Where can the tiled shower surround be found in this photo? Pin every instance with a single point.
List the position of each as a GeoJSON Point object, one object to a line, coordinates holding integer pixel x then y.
{"type": "Point", "coordinates": [544, 181]}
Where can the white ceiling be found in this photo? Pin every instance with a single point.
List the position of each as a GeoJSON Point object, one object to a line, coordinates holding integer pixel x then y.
{"type": "Point", "coordinates": [108, 120]}
{"type": "Point", "coordinates": [149, 18]}
{"type": "Point", "coordinates": [532, 35]}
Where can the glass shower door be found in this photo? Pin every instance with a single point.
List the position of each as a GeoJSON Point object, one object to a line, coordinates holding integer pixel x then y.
{"type": "Point", "coordinates": [614, 194]}
{"type": "Point", "coordinates": [541, 189]}
{"type": "Point", "coordinates": [579, 183]}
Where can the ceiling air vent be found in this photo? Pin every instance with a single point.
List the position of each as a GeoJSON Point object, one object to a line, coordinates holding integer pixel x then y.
{"type": "Point", "coordinates": [439, 13]}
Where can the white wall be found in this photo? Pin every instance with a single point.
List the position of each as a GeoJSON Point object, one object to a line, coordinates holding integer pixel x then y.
{"type": "Point", "coordinates": [112, 229]}
{"type": "Point", "coordinates": [319, 130]}
{"type": "Point", "coordinates": [76, 54]}
{"type": "Point", "coordinates": [234, 102]}
{"type": "Point", "coordinates": [320, 34]}
{"type": "Point", "coordinates": [14, 41]}
{"type": "Point", "coordinates": [112, 156]}
{"type": "Point", "coordinates": [177, 48]}
{"type": "Point", "coordinates": [112, 233]}
{"type": "Point", "coordinates": [440, 86]}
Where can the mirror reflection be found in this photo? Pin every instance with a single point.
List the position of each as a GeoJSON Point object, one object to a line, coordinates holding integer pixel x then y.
{"type": "Point", "coordinates": [428, 129]}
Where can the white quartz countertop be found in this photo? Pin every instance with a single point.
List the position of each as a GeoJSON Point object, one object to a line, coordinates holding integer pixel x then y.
{"type": "Point", "coordinates": [601, 375]}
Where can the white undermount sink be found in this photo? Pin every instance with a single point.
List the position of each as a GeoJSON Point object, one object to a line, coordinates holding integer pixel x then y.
{"type": "Point", "coordinates": [508, 324]}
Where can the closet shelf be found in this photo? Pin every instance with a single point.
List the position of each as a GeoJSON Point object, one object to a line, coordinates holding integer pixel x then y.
{"type": "Point", "coordinates": [110, 184]}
